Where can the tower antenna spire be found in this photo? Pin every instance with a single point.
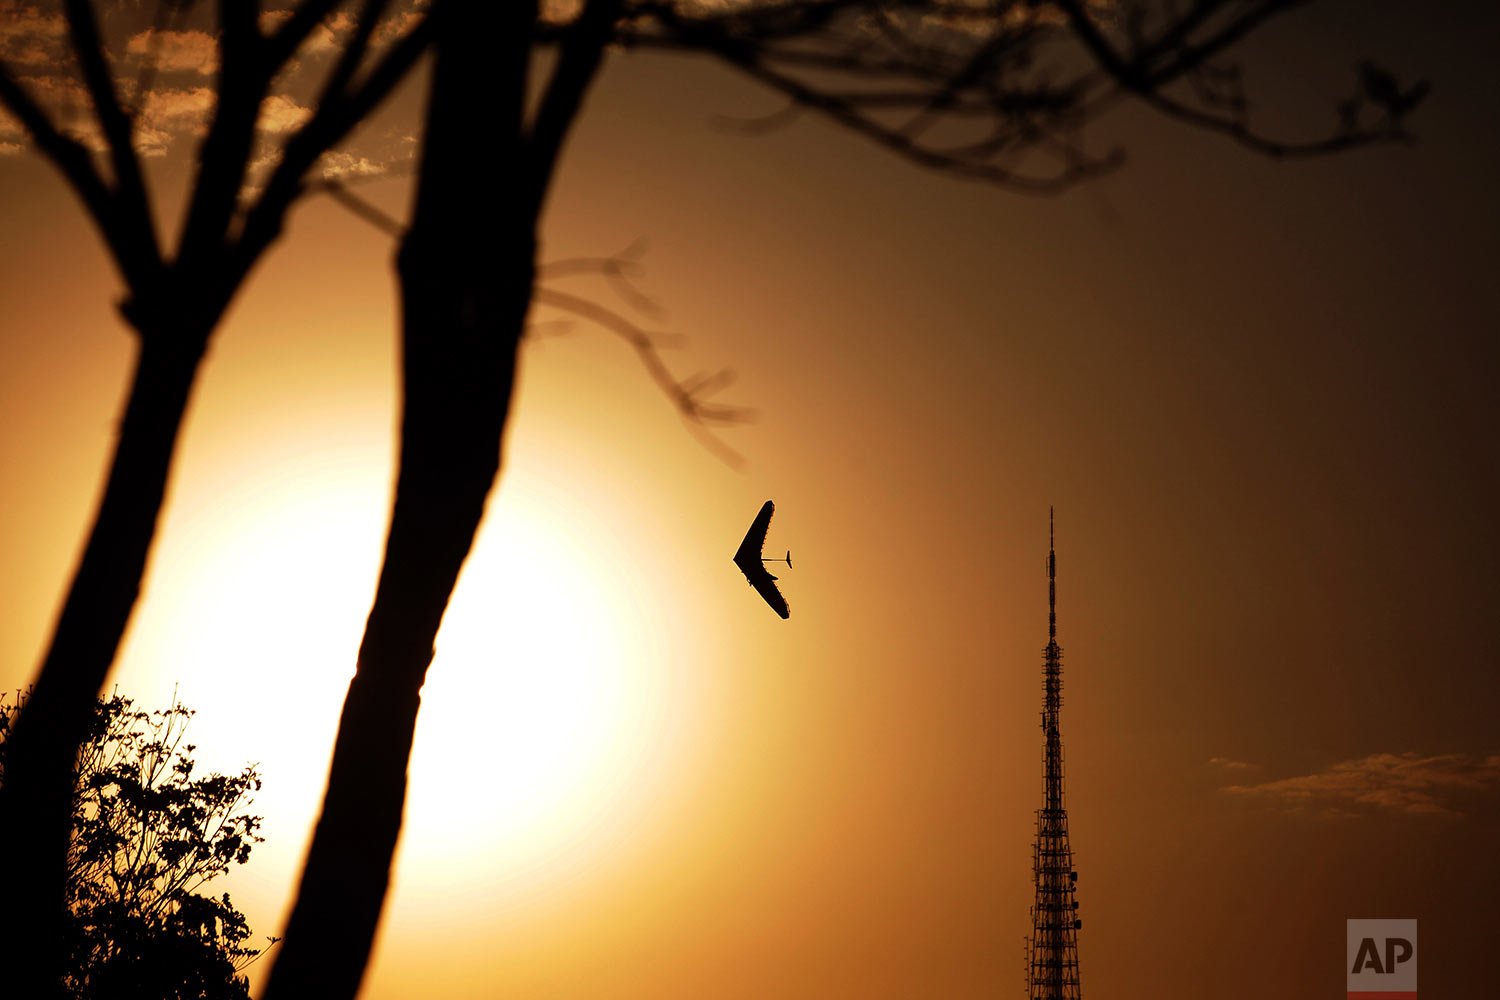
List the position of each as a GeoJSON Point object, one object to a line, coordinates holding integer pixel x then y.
{"type": "Point", "coordinates": [1051, 573]}
{"type": "Point", "coordinates": [1052, 948]}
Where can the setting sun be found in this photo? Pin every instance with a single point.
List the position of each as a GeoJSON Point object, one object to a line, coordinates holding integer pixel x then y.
{"type": "Point", "coordinates": [545, 714]}
{"type": "Point", "coordinates": [543, 711]}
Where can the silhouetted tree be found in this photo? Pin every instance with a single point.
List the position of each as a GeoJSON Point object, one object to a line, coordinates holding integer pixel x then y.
{"type": "Point", "coordinates": [993, 90]}
{"type": "Point", "coordinates": [173, 300]}
{"type": "Point", "coordinates": [146, 837]}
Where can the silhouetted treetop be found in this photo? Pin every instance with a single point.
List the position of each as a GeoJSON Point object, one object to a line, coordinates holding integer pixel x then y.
{"type": "Point", "coordinates": [147, 835]}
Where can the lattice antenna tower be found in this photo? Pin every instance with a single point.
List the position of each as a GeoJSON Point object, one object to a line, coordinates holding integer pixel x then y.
{"type": "Point", "coordinates": [1052, 948]}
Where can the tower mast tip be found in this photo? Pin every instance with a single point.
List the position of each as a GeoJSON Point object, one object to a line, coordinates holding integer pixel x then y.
{"type": "Point", "coordinates": [1052, 948]}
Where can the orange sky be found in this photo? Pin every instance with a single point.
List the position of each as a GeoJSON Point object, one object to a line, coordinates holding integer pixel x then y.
{"type": "Point", "coordinates": [1259, 395]}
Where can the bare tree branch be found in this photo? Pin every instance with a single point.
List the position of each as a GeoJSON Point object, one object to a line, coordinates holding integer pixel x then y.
{"type": "Point", "coordinates": [286, 39]}
{"type": "Point", "coordinates": [354, 52]}
{"type": "Point", "coordinates": [1179, 58]}
{"type": "Point", "coordinates": [765, 124]}
{"type": "Point", "coordinates": [904, 145]}
{"type": "Point", "coordinates": [169, 16]}
{"type": "Point", "coordinates": [224, 157]}
{"type": "Point", "coordinates": [582, 48]}
{"type": "Point", "coordinates": [947, 63]}
{"type": "Point", "coordinates": [753, 57]}
{"type": "Point", "coordinates": [68, 155]}
{"type": "Point", "coordinates": [340, 193]}
{"type": "Point", "coordinates": [328, 125]}
{"type": "Point", "coordinates": [687, 396]}
{"type": "Point", "coordinates": [618, 270]}
{"type": "Point", "coordinates": [132, 202]}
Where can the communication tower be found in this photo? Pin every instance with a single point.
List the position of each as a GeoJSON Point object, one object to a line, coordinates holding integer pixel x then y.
{"type": "Point", "coordinates": [1052, 948]}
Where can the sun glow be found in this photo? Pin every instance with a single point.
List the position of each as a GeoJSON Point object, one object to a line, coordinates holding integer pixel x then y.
{"type": "Point", "coordinates": [547, 708]}
{"type": "Point", "coordinates": [542, 711]}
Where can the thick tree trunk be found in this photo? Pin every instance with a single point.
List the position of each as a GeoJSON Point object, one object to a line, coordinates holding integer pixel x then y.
{"type": "Point", "coordinates": [466, 269]}
{"type": "Point", "coordinates": [36, 801]}
{"type": "Point", "coordinates": [460, 369]}
{"type": "Point", "coordinates": [457, 401]}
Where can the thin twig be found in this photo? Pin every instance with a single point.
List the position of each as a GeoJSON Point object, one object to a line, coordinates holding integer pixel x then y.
{"type": "Point", "coordinates": [340, 193]}
{"type": "Point", "coordinates": [685, 396]}
{"type": "Point", "coordinates": [617, 269]}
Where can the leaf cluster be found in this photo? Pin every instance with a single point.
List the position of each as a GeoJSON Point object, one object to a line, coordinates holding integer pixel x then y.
{"type": "Point", "coordinates": [147, 835]}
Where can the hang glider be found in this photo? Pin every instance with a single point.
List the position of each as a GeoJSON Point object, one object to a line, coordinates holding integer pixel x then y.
{"type": "Point", "coordinates": [751, 562]}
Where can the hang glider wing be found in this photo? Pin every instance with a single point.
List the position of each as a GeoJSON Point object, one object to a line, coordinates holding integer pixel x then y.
{"type": "Point", "coordinates": [762, 582]}
{"type": "Point", "coordinates": [747, 558]}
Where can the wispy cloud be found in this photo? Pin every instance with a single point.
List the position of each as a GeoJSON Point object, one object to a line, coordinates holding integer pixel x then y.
{"type": "Point", "coordinates": [1401, 783]}
{"type": "Point", "coordinates": [1229, 764]}
{"type": "Point", "coordinates": [30, 37]}
{"type": "Point", "coordinates": [34, 38]}
{"type": "Point", "coordinates": [397, 25]}
{"type": "Point", "coordinates": [71, 107]}
{"type": "Point", "coordinates": [328, 35]}
{"type": "Point", "coordinates": [169, 112]}
{"type": "Point", "coordinates": [346, 166]}
{"type": "Point", "coordinates": [279, 113]}
{"type": "Point", "coordinates": [270, 20]}
{"type": "Point", "coordinates": [193, 51]}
